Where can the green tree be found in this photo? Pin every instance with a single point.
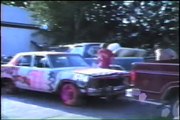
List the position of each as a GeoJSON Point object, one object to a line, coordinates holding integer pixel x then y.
{"type": "Point", "coordinates": [131, 23]}
{"type": "Point", "coordinates": [138, 23]}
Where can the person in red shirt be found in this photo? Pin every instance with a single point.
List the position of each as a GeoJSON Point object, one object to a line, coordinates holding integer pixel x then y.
{"type": "Point", "coordinates": [104, 56]}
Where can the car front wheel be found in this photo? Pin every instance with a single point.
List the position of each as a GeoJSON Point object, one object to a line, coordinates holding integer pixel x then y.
{"type": "Point", "coordinates": [70, 95]}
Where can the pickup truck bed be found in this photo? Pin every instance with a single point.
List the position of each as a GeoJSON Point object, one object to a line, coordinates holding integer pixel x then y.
{"type": "Point", "coordinates": [122, 62]}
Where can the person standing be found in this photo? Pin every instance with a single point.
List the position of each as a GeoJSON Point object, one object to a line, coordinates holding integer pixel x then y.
{"type": "Point", "coordinates": [162, 52]}
{"type": "Point", "coordinates": [104, 56]}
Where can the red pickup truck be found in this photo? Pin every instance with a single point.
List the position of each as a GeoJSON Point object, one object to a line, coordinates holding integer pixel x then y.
{"type": "Point", "coordinates": [157, 82]}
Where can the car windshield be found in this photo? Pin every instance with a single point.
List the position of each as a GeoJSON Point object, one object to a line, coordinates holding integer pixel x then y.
{"type": "Point", "coordinates": [67, 61]}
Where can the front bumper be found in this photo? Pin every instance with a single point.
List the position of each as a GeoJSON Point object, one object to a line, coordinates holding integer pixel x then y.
{"type": "Point", "coordinates": [132, 92]}
{"type": "Point", "coordinates": [106, 91]}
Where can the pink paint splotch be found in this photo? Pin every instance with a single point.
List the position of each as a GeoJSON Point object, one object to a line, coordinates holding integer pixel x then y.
{"type": "Point", "coordinates": [9, 72]}
{"type": "Point", "coordinates": [36, 79]}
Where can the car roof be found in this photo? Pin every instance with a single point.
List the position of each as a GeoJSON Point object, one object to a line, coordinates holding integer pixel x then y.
{"type": "Point", "coordinates": [87, 43]}
{"type": "Point", "coordinates": [76, 44]}
{"type": "Point", "coordinates": [42, 53]}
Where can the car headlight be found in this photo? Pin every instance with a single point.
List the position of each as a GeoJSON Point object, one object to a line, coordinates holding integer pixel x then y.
{"type": "Point", "coordinates": [81, 77]}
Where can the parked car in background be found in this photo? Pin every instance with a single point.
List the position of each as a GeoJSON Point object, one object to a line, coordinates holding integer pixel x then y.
{"type": "Point", "coordinates": [89, 52]}
{"type": "Point", "coordinates": [158, 82]}
{"type": "Point", "coordinates": [66, 74]}
{"type": "Point", "coordinates": [5, 59]}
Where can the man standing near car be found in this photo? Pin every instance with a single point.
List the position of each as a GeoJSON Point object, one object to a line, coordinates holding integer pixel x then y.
{"type": "Point", "coordinates": [162, 52]}
{"type": "Point", "coordinates": [104, 56]}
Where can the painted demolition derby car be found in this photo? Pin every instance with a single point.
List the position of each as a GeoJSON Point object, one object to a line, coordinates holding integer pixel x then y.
{"type": "Point", "coordinates": [63, 73]}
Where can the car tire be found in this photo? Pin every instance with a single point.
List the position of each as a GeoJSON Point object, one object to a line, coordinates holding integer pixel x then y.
{"type": "Point", "coordinates": [113, 97]}
{"type": "Point", "coordinates": [175, 109]}
{"type": "Point", "coordinates": [70, 95]}
{"type": "Point", "coordinates": [9, 88]}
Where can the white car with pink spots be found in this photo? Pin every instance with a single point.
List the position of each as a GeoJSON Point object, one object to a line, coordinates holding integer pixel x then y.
{"type": "Point", "coordinates": [68, 75]}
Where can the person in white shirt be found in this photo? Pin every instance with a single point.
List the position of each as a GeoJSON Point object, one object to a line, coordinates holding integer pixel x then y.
{"type": "Point", "coordinates": [164, 53]}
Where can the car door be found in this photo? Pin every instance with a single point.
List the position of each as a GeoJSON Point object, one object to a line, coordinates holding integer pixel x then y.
{"type": "Point", "coordinates": [39, 74]}
{"type": "Point", "coordinates": [23, 65]}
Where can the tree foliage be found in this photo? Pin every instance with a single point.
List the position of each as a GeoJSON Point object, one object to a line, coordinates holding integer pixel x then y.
{"type": "Point", "coordinates": [131, 23]}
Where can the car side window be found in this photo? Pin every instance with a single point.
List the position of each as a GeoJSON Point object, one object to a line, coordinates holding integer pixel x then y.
{"type": "Point", "coordinates": [91, 51]}
{"type": "Point", "coordinates": [62, 61]}
{"type": "Point", "coordinates": [78, 50]}
{"type": "Point", "coordinates": [24, 60]}
{"type": "Point", "coordinates": [41, 62]}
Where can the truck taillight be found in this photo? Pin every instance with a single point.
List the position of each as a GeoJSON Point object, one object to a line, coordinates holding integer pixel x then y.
{"type": "Point", "coordinates": [133, 77]}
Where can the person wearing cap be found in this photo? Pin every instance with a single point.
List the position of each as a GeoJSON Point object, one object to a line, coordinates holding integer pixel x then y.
{"type": "Point", "coordinates": [104, 56]}
{"type": "Point", "coordinates": [114, 47]}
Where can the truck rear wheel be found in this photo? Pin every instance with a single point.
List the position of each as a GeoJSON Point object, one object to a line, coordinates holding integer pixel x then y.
{"type": "Point", "coordinates": [70, 95]}
{"type": "Point", "coordinates": [175, 109]}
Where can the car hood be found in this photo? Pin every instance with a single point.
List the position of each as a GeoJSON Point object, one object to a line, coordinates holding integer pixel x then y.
{"type": "Point", "coordinates": [100, 71]}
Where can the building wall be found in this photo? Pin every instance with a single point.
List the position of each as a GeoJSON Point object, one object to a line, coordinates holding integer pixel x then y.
{"type": "Point", "coordinates": [14, 37]}
{"type": "Point", "coordinates": [15, 40]}
{"type": "Point", "coordinates": [16, 15]}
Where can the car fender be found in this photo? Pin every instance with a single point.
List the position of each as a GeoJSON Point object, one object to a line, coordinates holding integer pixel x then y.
{"type": "Point", "coordinates": [63, 81]}
{"type": "Point", "coordinates": [169, 92]}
